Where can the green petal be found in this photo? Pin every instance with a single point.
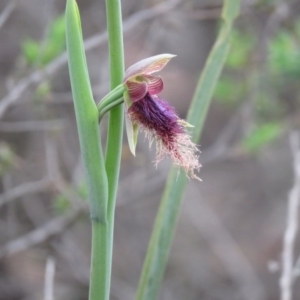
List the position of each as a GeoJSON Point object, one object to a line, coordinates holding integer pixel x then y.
{"type": "Point", "coordinates": [132, 130]}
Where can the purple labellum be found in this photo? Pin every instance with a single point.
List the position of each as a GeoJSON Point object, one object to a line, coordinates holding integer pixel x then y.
{"type": "Point", "coordinates": [161, 123]}
{"type": "Point", "coordinates": [157, 117]}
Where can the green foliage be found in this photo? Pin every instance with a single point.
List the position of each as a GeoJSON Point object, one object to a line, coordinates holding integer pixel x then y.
{"type": "Point", "coordinates": [7, 158]}
{"type": "Point", "coordinates": [30, 51]}
{"type": "Point", "coordinates": [82, 191]}
{"type": "Point", "coordinates": [260, 136]}
{"type": "Point", "coordinates": [241, 49]}
{"type": "Point", "coordinates": [285, 53]}
{"type": "Point", "coordinates": [268, 106]}
{"type": "Point", "coordinates": [231, 88]}
{"type": "Point", "coordinates": [270, 89]}
{"type": "Point", "coordinates": [42, 91]}
{"type": "Point", "coordinates": [228, 92]}
{"type": "Point", "coordinates": [297, 28]}
{"type": "Point", "coordinates": [61, 204]}
{"type": "Point", "coordinates": [42, 52]}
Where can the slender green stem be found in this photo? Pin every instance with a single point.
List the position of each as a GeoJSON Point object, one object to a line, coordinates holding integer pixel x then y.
{"type": "Point", "coordinates": [93, 159]}
{"type": "Point", "coordinates": [116, 93]}
{"type": "Point", "coordinates": [115, 131]}
{"type": "Point", "coordinates": [165, 223]}
{"type": "Point", "coordinates": [112, 99]}
{"type": "Point", "coordinates": [101, 262]}
{"type": "Point", "coordinates": [103, 236]}
{"type": "Point", "coordinates": [103, 110]}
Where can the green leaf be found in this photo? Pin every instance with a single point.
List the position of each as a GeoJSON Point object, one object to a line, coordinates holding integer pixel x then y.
{"type": "Point", "coordinates": [55, 42]}
{"type": "Point", "coordinates": [261, 136]}
{"type": "Point", "coordinates": [101, 176]}
{"type": "Point", "coordinates": [58, 30]}
{"type": "Point", "coordinates": [165, 223]}
{"type": "Point", "coordinates": [8, 158]}
{"type": "Point", "coordinates": [242, 45]}
{"type": "Point", "coordinates": [228, 91]}
{"type": "Point", "coordinates": [86, 116]}
{"type": "Point", "coordinates": [61, 204]}
{"type": "Point", "coordinates": [42, 52]}
{"type": "Point", "coordinates": [42, 91]}
{"type": "Point", "coordinates": [30, 49]}
{"type": "Point", "coordinates": [297, 28]}
{"type": "Point", "coordinates": [285, 54]}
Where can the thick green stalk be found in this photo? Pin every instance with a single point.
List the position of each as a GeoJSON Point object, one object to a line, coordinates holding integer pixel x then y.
{"type": "Point", "coordinates": [116, 115]}
{"type": "Point", "coordinates": [93, 159]}
{"type": "Point", "coordinates": [165, 223]}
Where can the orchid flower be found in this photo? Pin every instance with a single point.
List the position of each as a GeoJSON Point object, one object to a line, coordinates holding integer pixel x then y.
{"type": "Point", "coordinates": [156, 117]}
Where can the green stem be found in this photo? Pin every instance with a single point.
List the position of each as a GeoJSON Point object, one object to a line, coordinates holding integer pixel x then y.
{"type": "Point", "coordinates": [102, 239]}
{"type": "Point", "coordinates": [101, 262]}
{"type": "Point", "coordinates": [90, 143]}
{"type": "Point", "coordinates": [103, 110]}
{"type": "Point", "coordinates": [115, 131]}
{"type": "Point", "coordinates": [112, 99]}
{"type": "Point", "coordinates": [116, 93]}
{"type": "Point", "coordinates": [165, 223]}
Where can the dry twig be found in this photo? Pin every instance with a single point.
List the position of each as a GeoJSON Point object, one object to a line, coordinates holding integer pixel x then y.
{"type": "Point", "coordinates": [39, 235]}
{"type": "Point", "coordinates": [49, 279]}
{"type": "Point", "coordinates": [287, 274]}
{"type": "Point", "coordinates": [225, 247]}
{"type": "Point", "coordinates": [23, 126]}
{"type": "Point", "coordinates": [25, 189]}
{"type": "Point", "coordinates": [7, 12]}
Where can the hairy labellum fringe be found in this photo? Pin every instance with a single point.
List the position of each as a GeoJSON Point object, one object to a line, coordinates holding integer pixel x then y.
{"type": "Point", "coordinates": [162, 125]}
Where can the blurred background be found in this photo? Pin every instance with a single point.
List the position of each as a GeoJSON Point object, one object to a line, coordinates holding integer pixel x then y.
{"type": "Point", "coordinates": [229, 240]}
